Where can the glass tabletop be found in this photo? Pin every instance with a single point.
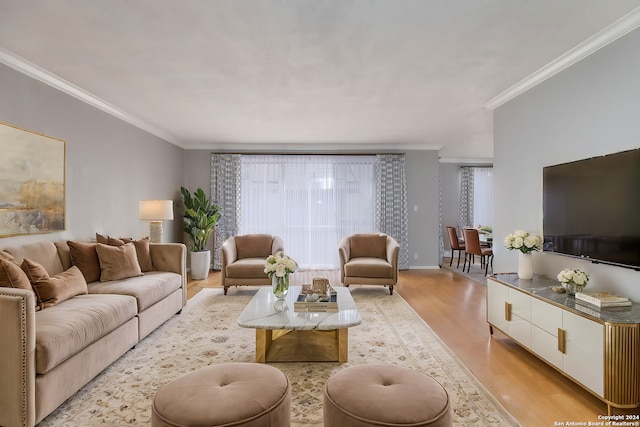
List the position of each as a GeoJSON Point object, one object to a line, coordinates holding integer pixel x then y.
{"type": "Point", "coordinates": [264, 311]}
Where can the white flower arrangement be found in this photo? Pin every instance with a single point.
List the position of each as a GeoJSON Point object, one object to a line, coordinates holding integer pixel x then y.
{"type": "Point", "coordinates": [279, 265]}
{"type": "Point", "coordinates": [523, 241]}
{"type": "Point", "coordinates": [570, 276]}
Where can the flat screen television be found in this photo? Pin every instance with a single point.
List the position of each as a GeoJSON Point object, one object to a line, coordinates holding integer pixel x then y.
{"type": "Point", "coordinates": [592, 209]}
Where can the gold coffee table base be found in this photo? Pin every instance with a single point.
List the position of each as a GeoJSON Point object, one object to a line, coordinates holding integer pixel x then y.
{"type": "Point", "coordinates": [302, 345]}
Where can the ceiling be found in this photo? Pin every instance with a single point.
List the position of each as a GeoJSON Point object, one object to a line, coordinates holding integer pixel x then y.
{"type": "Point", "coordinates": [307, 74]}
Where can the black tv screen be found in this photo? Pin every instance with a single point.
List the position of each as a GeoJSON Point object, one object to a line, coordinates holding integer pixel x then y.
{"type": "Point", "coordinates": [592, 209]}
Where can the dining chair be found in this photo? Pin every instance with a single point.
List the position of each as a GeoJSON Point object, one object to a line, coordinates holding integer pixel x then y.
{"type": "Point", "coordinates": [456, 243]}
{"type": "Point", "coordinates": [473, 247]}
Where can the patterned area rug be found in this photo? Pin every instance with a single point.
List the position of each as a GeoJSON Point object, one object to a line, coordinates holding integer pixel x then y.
{"type": "Point", "coordinates": [206, 333]}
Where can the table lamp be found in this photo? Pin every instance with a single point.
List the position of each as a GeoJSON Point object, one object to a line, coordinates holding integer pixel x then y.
{"type": "Point", "coordinates": [156, 211]}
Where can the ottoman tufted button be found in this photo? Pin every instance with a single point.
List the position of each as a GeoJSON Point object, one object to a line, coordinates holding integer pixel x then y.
{"type": "Point", "coordinates": [232, 394]}
{"type": "Point", "coordinates": [385, 395]}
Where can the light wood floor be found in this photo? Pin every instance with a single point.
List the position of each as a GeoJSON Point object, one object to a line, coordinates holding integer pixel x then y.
{"type": "Point", "coordinates": [454, 307]}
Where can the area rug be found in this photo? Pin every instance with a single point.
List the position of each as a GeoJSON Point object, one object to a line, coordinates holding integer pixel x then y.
{"type": "Point", "coordinates": [206, 333]}
{"type": "Point", "coordinates": [476, 272]}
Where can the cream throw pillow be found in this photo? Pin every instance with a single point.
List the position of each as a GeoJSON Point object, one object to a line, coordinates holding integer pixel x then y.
{"type": "Point", "coordinates": [118, 262]}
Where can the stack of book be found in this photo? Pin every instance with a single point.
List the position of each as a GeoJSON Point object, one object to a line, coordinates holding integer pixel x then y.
{"type": "Point", "coordinates": [302, 305]}
{"type": "Point", "coordinates": [602, 299]}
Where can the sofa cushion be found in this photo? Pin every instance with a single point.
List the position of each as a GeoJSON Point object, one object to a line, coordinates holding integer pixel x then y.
{"type": "Point", "coordinates": [117, 262]}
{"type": "Point", "coordinates": [147, 289]}
{"type": "Point", "coordinates": [59, 287]}
{"type": "Point", "coordinates": [254, 245]}
{"type": "Point", "coordinates": [85, 257]}
{"type": "Point", "coordinates": [368, 267]}
{"type": "Point", "coordinates": [368, 245]}
{"type": "Point", "coordinates": [246, 267]}
{"type": "Point", "coordinates": [44, 253]}
{"type": "Point", "coordinates": [65, 329]}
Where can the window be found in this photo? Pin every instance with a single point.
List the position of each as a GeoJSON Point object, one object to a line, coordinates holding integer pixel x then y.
{"type": "Point", "coordinates": [310, 201]}
{"type": "Point", "coordinates": [483, 197]}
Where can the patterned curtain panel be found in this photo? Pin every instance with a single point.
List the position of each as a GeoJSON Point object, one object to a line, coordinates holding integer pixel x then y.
{"type": "Point", "coordinates": [391, 202]}
{"type": "Point", "coordinates": [225, 192]}
{"type": "Point", "coordinates": [466, 197]}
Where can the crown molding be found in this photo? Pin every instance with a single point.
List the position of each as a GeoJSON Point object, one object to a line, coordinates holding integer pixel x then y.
{"type": "Point", "coordinates": [467, 161]}
{"type": "Point", "coordinates": [611, 33]}
{"type": "Point", "coordinates": [38, 73]}
{"type": "Point", "coordinates": [315, 147]}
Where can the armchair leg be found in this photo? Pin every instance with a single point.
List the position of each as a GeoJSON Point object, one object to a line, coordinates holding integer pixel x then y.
{"type": "Point", "coordinates": [226, 288]}
{"type": "Point", "coordinates": [390, 289]}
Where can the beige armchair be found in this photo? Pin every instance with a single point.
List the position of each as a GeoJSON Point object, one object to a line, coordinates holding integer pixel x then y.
{"type": "Point", "coordinates": [369, 259]}
{"type": "Point", "coordinates": [243, 259]}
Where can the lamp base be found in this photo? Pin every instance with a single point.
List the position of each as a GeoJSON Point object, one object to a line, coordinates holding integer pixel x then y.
{"type": "Point", "coordinates": [155, 232]}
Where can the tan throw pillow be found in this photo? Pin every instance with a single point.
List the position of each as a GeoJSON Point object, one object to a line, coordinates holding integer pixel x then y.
{"type": "Point", "coordinates": [12, 276]}
{"type": "Point", "coordinates": [144, 254]}
{"type": "Point", "coordinates": [60, 287]}
{"type": "Point", "coordinates": [101, 238]}
{"type": "Point", "coordinates": [34, 270]}
{"type": "Point", "coordinates": [7, 256]}
{"type": "Point", "coordinates": [85, 257]}
{"type": "Point", "coordinates": [118, 262]}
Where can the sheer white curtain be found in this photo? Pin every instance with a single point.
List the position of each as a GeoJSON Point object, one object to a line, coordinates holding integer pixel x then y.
{"type": "Point", "coordinates": [310, 201]}
{"type": "Point", "coordinates": [483, 196]}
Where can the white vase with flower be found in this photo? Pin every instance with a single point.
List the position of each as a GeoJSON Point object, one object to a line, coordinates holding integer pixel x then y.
{"type": "Point", "coordinates": [525, 243]}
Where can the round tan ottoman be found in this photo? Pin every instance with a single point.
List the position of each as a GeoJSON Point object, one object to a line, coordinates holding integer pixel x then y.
{"type": "Point", "coordinates": [385, 395]}
{"type": "Point", "coordinates": [230, 394]}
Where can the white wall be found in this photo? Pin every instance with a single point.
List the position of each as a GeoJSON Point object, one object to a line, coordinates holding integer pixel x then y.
{"type": "Point", "coordinates": [110, 165]}
{"type": "Point", "coordinates": [589, 109]}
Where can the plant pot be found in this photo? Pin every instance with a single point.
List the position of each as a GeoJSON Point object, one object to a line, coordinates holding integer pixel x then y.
{"type": "Point", "coordinates": [200, 264]}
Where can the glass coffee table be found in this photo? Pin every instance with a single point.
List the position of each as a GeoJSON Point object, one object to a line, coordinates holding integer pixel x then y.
{"type": "Point", "coordinates": [284, 335]}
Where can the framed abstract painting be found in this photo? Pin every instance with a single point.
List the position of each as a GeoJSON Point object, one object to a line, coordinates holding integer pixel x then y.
{"type": "Point", "coordinates": [32, 182]}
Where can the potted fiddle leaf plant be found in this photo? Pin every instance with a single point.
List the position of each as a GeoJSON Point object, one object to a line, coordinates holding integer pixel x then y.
{"type": "Point", "coordinates": [200, 220]}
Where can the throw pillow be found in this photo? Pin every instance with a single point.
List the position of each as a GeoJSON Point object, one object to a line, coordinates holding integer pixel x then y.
{"type": "Point", "coordinates": [12, 276]}
{"type": "Point", "coordinates": [144, 254]}
{"type": "Point", "coordinates": [7, 256]}
{"type": "Point", "coordinates": [100, 238]}
{"type": "Point", "coordinates": [85, 257]}
{"type": "Point", "coordinates": [118, 262]}
{"type": "Point", "coordinates": [60, 287]}
{"type": "Point", "coordinates": [34, 270]}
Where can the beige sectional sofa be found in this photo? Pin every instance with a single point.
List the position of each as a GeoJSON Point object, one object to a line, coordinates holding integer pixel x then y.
{"type": "Point", "coordinates": [50, 353]}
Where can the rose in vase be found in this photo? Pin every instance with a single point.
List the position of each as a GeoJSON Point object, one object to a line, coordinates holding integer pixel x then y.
{"type": "Point", "coordinates": [573, 280]}
{"type": "Point", "coordinates": [278, 267]}
{"type": "Point", "coordinates": [523, 241]}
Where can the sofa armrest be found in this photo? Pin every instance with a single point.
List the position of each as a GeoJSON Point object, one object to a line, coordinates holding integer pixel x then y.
{"type": "Point", "coordinates": [171, 257]}
{"type": "Point", "coordinates": [17, 360]}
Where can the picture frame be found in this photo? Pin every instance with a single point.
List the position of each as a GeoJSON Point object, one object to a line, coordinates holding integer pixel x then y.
{"type": "Point", "coordinates": [32, 182]}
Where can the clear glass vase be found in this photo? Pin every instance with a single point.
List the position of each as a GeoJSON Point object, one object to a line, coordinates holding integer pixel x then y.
{"type": "Point", "coordinates": [572, 288]}
{"type": "Point", "coordinates": [280, 286]}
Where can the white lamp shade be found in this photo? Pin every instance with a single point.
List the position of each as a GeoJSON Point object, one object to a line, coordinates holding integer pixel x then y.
{"type": "Point", "coordinates": [156, 210]}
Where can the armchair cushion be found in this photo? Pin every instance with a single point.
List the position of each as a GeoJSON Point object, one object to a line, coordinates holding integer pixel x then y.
{"type": "Point", "coordinates": [254, 245]}
{"type": "Point", "coordinates": [368, 246]}
{"type": "Point", "coordinates": [368, 267]}
{"type": "Point", "coordinates": [247, 267]}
